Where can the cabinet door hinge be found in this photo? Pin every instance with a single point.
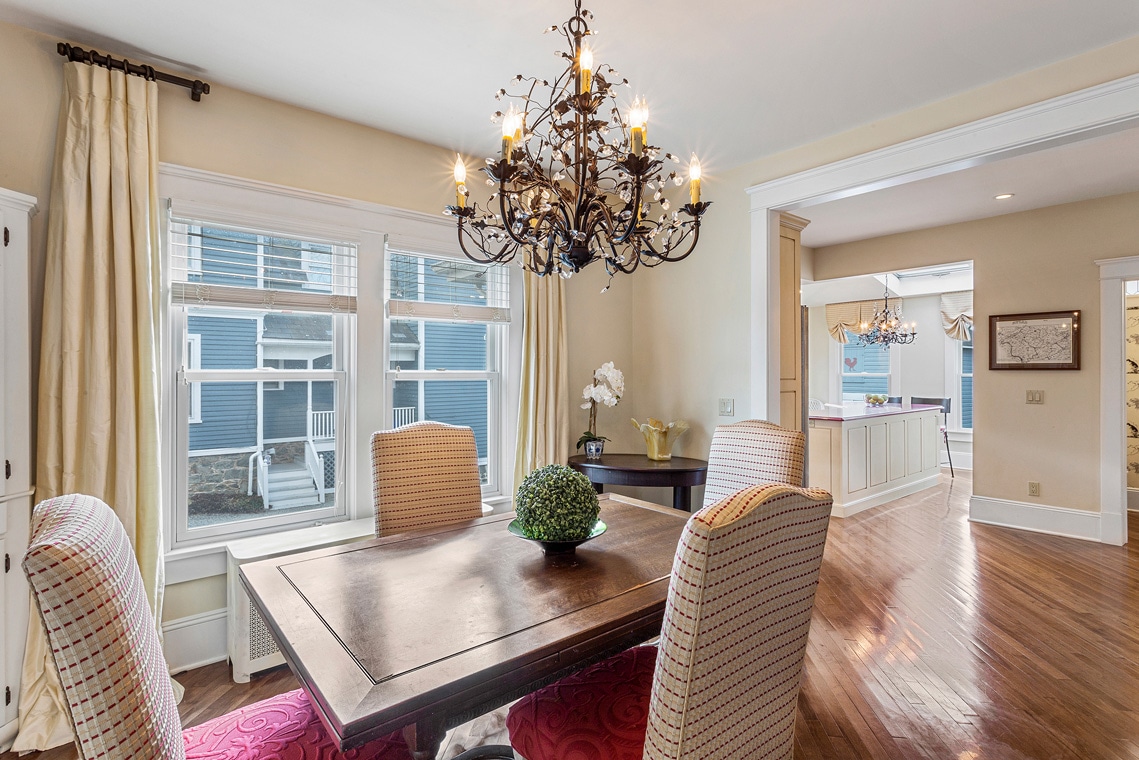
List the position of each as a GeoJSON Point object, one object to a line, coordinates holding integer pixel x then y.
{"type": "Point", "coordinates": [7, 695]}
{"type": "Point", "coordinates": [7, 562]}
{"type": "Point", "coordinates": [7, 237]}
{"type": "Point", "coordinates": [7, 469]}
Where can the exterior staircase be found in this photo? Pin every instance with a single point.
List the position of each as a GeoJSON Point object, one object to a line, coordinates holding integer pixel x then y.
{"type": "Point", "coordinates": [290, 485]}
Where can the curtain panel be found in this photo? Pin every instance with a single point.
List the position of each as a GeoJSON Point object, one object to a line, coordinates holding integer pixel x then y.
{"type": "Point", "coordinates": [98, 386]}
{"type": "Point", "coordinates": [543, 406]}
{"type": "Point", "coordinates": [957, 314]}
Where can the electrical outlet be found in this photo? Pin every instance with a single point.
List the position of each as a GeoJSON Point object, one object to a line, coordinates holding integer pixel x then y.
{"type": "Point", "coordinates": [727, 407]}
{"type": "Point", "coordinates": [1033, 488]}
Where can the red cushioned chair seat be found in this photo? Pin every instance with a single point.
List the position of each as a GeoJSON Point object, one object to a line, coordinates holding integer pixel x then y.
{"type": "Point", "coordinates": [284, 727]}
{"type": "Point", "coordinates": [597, 714]}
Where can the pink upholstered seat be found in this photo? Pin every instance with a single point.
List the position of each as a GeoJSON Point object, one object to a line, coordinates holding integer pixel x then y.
{"type": "Point", "coordinates": [91, 600]}
{"type": "Point", "coordinates": [751, 452]}
{"type": "Point", "coordinates": [424, 474]}
{"type": "Point", "coordinates": [726, 680]}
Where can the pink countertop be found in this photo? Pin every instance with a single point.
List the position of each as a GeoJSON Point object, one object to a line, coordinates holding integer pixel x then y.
{"type": "Point", "coordinates": [857, 410]}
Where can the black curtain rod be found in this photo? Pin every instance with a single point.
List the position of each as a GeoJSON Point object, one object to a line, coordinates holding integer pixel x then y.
{"type": "Point", "coordinates": [196, 86]}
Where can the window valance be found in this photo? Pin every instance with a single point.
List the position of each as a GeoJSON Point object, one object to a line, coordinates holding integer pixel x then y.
{"type": "Point", "coordinates": [850, 316]}
{"type": "Point", "coordinates": [957, 314]}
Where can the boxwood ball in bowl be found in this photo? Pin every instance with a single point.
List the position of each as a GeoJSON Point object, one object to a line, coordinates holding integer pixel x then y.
{"type": "Point", "coordinates": [556, 503]}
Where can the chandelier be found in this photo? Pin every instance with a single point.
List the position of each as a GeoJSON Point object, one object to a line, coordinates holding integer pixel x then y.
{"type": "Point", "coordinates": [887, 327]}
{"type": "Point", "coordinates": [576, 182]}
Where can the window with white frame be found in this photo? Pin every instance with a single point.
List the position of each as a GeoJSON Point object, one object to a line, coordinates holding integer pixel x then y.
{"type": "Point", "coordinates": [863, 369]}
{"type": "Point", "coordinates": [965, 383]}
{"type": "Point", "coordinates": [447, 337]}
{"type": "Point", "coordinates": [265, 322]}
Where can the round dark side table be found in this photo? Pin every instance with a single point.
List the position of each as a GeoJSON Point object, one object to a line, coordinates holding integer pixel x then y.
{"type": "Point", "coordinates": [678, 473]}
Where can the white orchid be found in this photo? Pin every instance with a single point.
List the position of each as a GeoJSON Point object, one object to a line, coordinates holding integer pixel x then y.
{"type": "Point", "coordinates": [607, 388]}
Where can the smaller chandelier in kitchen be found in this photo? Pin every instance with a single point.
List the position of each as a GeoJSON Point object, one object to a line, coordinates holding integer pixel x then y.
{"type": "Point", "coordinates": [577, 182]}
{"type": "Point", "coordinates": [887, 327]}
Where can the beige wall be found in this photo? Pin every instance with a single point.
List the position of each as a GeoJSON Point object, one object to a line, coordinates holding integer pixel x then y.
{"type": "Point", "coordinates": [696, 344]}
{"type": "Point", "coordinates": [230, 132]}
{"type": "Point", "coordinates": [1042, 260]}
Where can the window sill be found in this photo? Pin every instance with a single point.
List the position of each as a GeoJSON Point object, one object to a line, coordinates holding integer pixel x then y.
{"type": "Point", "coordinates": [961, 435]}
{"type": "Point", "coordinates": [207, 560]}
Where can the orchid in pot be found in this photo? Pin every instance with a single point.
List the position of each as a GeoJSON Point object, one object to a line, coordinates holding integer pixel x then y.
{"type": "Point", "coordinates": [607, 388]}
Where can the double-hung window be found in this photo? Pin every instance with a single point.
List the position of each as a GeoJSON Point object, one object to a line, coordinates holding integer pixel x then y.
{"type": "Point", "coordinates": [265, 326]}
{"type": "Point", "coordinates": [864, 369]}
{"type": "Point", "coordinates": [965, 384]}
{"type": "Point", "coordinates": [447, 336]}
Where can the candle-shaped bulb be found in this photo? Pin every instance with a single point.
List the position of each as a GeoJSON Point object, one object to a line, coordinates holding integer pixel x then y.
{"type": "Point", "coordinates": [585, 67]}
{"type": "Point", "coordinates": [694, 179]}
{"type": "Point", "coordinates": [460, 182]}
{"type": "Point", "coordinates": [511, 124]}
{"type": "Point", "coordinates": [638, 126]}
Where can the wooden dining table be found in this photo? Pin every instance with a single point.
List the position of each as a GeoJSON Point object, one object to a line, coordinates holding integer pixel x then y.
{"type": "Point", "coordinates": [425, 630]}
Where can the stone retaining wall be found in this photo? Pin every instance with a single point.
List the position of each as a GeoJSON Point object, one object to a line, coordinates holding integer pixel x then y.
{"type": "Point", "coordinates": [218, 473]}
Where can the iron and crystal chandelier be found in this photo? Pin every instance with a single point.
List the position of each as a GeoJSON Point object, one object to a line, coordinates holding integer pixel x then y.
{"type": "Point", "coordinates": [887, 327]}
{"type": "Point", "coordinates": [576, 181]}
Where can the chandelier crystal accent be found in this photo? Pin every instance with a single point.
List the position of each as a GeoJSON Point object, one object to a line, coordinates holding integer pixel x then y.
{"type": "Point", "coordinates": [576, 181]}
{"type": "Point", "coordinates": [887, 327]}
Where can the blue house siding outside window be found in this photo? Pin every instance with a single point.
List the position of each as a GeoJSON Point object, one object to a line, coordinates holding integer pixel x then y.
{"type": "Point", "coordinates": [229, 410]}
{"type": "Point", "coordinates": [967, 384]}
{"type": "Point", "coordinates": [865, 369]}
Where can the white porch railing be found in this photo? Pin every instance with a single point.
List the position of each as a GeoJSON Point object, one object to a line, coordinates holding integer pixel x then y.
{"type": "Point", "coordinates": [315, 464]}
{"type": "Point", "coordinates": [404, 415]}
{"type": "Point", "coordinates": [258, 461]}
{"type": "Point", "coordinates": [322, 424]}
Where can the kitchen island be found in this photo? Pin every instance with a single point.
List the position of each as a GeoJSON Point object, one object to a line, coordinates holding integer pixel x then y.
{"type": "Point", "coordinates": [869, 455]}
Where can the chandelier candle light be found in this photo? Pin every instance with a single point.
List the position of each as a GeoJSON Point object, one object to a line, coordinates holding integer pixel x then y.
{"type": "Point", "coordinates": [576, 185]}
{"type": "Point", "coordinates": [887, 327]}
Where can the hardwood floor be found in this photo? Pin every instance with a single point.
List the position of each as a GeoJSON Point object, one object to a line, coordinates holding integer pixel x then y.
{"type": "Point", "coordinates": [933, 638]}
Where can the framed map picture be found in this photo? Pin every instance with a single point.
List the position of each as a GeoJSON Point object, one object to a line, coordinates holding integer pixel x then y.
{"type": "Point", "coordinates": [1045, 340]}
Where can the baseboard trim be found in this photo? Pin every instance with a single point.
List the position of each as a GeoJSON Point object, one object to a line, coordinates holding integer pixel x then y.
{"type": "Point", "coordinates": [8, 734]}
{"type": "Point", "coordinates": [882, 497]}
{"type": "Point", "coordinates": [1038, 518]}
{"type": "Point", "coordinates": [1133, 499]}
{"type": "Point", "coordinates": [195, 641]}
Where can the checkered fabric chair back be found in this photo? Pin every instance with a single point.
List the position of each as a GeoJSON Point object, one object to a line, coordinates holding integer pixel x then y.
{"type": "Point", "coordinates": [90, 597]}
{"type": "Point", "coordinates": [735, 626]}
{"type": "Point", "coordinates": [424, 474]}
{"type": "Point", "coordinates": [752, 452]}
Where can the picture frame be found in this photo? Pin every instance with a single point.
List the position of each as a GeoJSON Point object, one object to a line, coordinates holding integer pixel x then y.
{"type": "Point", "coordinates": [1040, 340]}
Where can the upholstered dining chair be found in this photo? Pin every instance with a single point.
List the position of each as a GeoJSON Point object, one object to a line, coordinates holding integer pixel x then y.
{"type": "Point", "coordinates": [725, 681]}
{"type": "Point", "coordinates": [424, 474]}
{"type": "Point", "coordinates": [946, 405]}
{"type": "Point", "coordinates": [89, 593]}
{"type": "Point", "coordinates": [750, 452]}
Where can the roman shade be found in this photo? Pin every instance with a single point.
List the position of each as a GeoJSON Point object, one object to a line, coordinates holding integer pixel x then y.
{"type": "Point", "coordinates": [850, 315]}
{"type": "Point", "coordinates": [957, 314]}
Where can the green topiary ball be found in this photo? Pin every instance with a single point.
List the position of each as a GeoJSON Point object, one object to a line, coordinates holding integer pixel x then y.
{"type": "Point", "coordinates": [555, 503]}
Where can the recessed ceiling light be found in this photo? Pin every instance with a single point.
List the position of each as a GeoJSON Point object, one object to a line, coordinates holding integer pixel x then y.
{"type": "Point", "coordinates": [1003, 196]}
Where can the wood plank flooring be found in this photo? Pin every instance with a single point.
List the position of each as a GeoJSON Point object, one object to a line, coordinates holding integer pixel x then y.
{"type": "Point", "coordinates": [933, 639]}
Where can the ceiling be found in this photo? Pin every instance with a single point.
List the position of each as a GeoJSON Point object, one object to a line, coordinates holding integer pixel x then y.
{"type": "Point", "coordinates": [730, 81]}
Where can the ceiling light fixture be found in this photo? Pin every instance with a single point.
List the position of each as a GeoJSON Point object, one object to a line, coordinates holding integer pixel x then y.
{"type": "Point", "coordinates": [574, 184]}
{"type": "Point", "coordinates": [887, 327]}
{"type": "Point", "coordinates": [1003, 196]}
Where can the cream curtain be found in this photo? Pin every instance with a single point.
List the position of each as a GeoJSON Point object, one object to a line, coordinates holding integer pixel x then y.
{"type": "Point", "coordinates": [543, 407]}
{"type": "Point", "coordinates": [98, 388]}
{"type": "Point", "coordinates": [957, 314]}
{"type": "Point", "coordinates": [850, 315]}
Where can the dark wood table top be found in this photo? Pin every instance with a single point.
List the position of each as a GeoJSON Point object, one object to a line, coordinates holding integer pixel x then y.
{"type": "Point", "coordinates": [639, 463]}
{"type": "Point", "coordinates": [426, 627]}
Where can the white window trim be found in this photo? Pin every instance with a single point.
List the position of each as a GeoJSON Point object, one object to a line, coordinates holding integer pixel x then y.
{"type": "Point", "coordinates": [200, 194]}
{"type": "Point", "coordinates": [953, 385]}
{"type": "Point", "coordinates": [193, 362]}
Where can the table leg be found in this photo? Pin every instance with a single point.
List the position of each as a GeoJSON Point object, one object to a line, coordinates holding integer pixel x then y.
{"type": "Point", "coordinates": [682, 498]}
{"type": "Point", "coordinates": [424, 740]}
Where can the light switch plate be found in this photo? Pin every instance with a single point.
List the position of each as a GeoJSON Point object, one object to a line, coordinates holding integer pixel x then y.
{"type": "Point", "coordinates": [1034, 397]}
{"type": "Point", "coordinates": [727, 407]}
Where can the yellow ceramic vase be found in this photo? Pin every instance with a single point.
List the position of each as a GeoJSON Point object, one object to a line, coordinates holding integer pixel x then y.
{"type": "Point", "coordinates": [660, 437]}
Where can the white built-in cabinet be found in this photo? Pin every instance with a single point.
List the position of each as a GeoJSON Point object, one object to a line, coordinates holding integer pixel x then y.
{"type": "Point", "coordinates": [15, 447]}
